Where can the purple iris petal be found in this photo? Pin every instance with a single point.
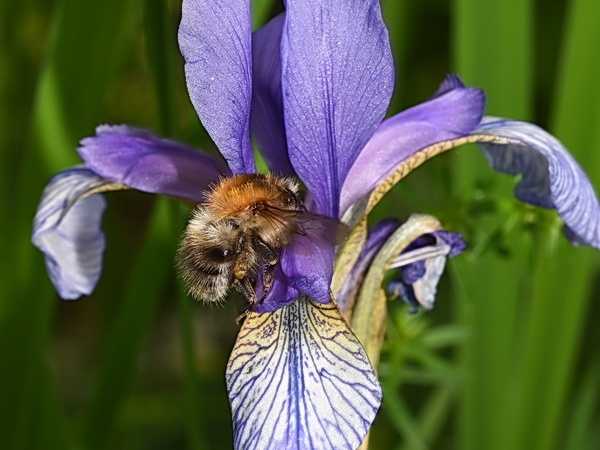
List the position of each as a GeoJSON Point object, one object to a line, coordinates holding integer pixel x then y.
{"type": "Point", "coordinates": [214, 38]}
{"type": "Point", "coordinates": [337, 80]}
{"type": "Point", "coordinates": [304, 268]}
{"type": "Point", "coordinates": [280, 294]}
{"type": "Point", "coordinates": [266, 118]}
{"type": "Point", "coordinates": [143, 161]}
{"type": "Point", "coordinates": [309, 268]}
{"type": "Point", "coordinates": [67, 230]}
{"type": "Point", "coordinates": [454, 111]}
{"type": "Point", "coordinates": [413, 272]}
{"type": "Point", "coordinates": [551, 178]}
{"type": "Point", "coordinates": [420, 277]}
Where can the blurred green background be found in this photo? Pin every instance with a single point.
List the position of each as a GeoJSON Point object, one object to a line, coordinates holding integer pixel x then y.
{"type": "Point", "coordinates": [509, 359]}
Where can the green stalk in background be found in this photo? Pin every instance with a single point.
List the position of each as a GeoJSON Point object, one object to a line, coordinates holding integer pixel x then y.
{"type": "Point", "coordinates": [493, 50]}
{"type": "Point", "coordinates": [525, 311]}
{"type": "Point", "coordinates": [564, 275]}
{"type": "Point", "coordinates": [70, 90]}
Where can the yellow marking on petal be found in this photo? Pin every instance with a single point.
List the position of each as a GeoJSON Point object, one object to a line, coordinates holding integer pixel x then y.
{"type": "Point", "coordinates": [418, 158]}
{"type": "Point", "coordinates": [105, 187]}
{"type": "Point", "coordinates": [347, 257]}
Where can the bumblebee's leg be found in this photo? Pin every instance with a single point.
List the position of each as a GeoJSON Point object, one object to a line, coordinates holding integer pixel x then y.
{"type": "Point", "coordinates": [271, 258]}
{"type": "Point", "coordinates": [242, 265]}
{"type": "Point", "coordinates": [244, 287]}
{"type": "Point", "coordinates": [268, 271]}
{"type": "Point", "coordinates": [241, 317]}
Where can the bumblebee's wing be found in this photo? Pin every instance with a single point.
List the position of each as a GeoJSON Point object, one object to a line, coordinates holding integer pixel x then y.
{"type": "Point", "coordinates": [322, 230]}
{"type": "Point", "coordinates": [299, 378]}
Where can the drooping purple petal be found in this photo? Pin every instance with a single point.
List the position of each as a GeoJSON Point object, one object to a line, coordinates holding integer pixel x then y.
{"type": "Point", "coordinates": [309, 268]}
{"type": "Point", "coordinates": [298, 378]}
{"type": "Point", "coordinates": [67, 230]}
{"type": "Point", "coordinates": [451, 82]}
{"type": "Point", "coordinates": [452, 112]}
{"type": "Point", "coordinates": [375, 240]}
{"type": "Point", "coordinates": [143, 161]}
{"type": "Point", "coordinates": [280, 294]}
{"type": "Point", "coordinates": [266, 116]}
{"type": "Point", "coordinates": [551, 178]}
{"type": "Point", "coordinates": [337, 80]}
{"type": "Point", "coordinates": [215, 41]}
{"type": "Point", "coordinates": [423, 264]}
{"type": "Point", "coordinates": [304, 268]}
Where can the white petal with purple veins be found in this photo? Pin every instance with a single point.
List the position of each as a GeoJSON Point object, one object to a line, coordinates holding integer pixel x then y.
{"type": "Point", "coordinates": [67, 230]}
{"type": "Point", "coordinates": [299, 378]}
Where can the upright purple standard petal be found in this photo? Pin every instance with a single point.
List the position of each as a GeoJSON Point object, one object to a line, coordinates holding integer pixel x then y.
{"type": "Point", "coordinates": [551, 178]}
{"type": "Point", "coordinates": [266, 119]}
{"type": "Point", "coordinates": [67, 230]}
{"type": "Point", "coordinates": [454, 111]}
{"type": "Point", "coordinates": [143, 161]}
{"type": "Point", "coordinates": [337, 80]}
{"type": "Point", "coordinates": [215, 41]}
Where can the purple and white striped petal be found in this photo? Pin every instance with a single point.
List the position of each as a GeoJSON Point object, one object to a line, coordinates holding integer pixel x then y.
{"type": "Point", "coordinates": [551, 178]}
{"type": "Point", "coordinates": [143, 161]}
{"type": "Point", "coordinates": [266, 116]}
{"type": "Point", "coordinates": [454, 111]}
{"type": "Point", "coordinates": [337, 81]}
{"type": "Point", "coordinates": [423, 264]}
{"type": "Point", "coordinates": [298, 378]}
{"type": "Point", "coordinates": [67, 230]}
{"type": "Point", "coordinates": [215, 41]}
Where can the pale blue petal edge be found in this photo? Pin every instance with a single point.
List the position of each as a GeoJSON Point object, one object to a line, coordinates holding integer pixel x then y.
{"type": "Point", "coordinates": [67, 231]}
{"type": "Point", "coordinates": [551, 177]}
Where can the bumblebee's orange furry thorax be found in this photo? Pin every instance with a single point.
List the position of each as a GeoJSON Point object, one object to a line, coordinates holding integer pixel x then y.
{"type": "Point", "coordinates": [240, 194]}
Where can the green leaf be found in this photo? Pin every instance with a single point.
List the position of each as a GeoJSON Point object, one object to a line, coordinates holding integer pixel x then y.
{"type": "Point", "coordinates": [86, 41]}
{"type": "Point", "coordinates": [139, 304]}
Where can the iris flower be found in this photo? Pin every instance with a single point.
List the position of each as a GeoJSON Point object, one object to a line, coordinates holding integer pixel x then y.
{"type": "Point", "coordinates": [312, 88]}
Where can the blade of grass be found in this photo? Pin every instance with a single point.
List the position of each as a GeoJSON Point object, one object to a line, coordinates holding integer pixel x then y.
{"type": "Point", "coordinates": [261, 12]}
{"type": "Point", "coordinates": [402, 420]}
{"type": "Point", "coordinates": [585, 405]}
{"type": "Point", "coordinates": [85, 40]}
{"type": "Point", "coordinates": [192, 399]}
{"type": "Point", "coordinates": [396, 14]}
{"type": "Point", "coordinates": [435, 411]}
{"type": "Point", "coordinates": [161, 48]}
{"type": "Point", "coordinates": [493, 50]}
{"type": "Point", "coordinates": [563, 275]}
{"type": "Point", "coordinates": [140, 300]}
{"type": "Point", "coordinates": [161, 51]}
